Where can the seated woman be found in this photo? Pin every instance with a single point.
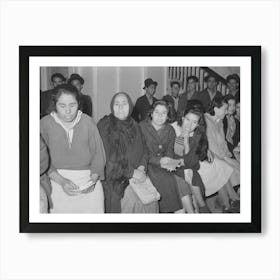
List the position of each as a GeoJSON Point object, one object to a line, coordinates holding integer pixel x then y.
{"type": "Point", "coordinates": [160, 137]}
{"type": "Point", "coordinates": [125, 158]}
{"type": "Point", "coordinates": [77, 155]}
{"type": "Point", "coordinates": [217, 145]}
{"type": "Point", "coordinates": [45, 187]}
{"type": "Point", "coordinates": [231, 124]}
{"type": "Point", "coordinates": [192, 144]}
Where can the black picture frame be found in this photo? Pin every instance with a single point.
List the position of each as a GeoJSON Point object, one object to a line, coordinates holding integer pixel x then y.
{"type": "Point", "coordinates": [254, 52]}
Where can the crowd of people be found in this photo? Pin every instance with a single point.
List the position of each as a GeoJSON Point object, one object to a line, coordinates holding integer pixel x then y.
{"type": "Point", "coordinates": [179, 154]}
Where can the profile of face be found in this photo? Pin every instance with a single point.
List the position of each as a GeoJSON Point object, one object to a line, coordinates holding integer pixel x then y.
{"type": "Point", "coordinates": [211, 83]}
{"type": "Point", "coordinates": [190, 122]}
{"type": "Point", "coordinates": [57, 81]}
{"type": "Point", "coordinates": [77, 84]}
{"type": "Point", "coordinates": [159, 115]}
{"type": "Point", "coordinates": [191, 85]}
{"type": "Point", "coordinates": [121, 107]}
{"type": "Point", "coordinates": [221, 112]}
{"type": "Point", "coordinates": [238, 110]}
{"type": "Point", "coordinates": [233, 85]}
{"type": "Point", "coordinates": [66, 107]}
{"type": "Point", "coordinates": [175, 90]}
{"type": "Point", "coordinates": [231, 106]}
{"type": "Point", "coordinates": [151, 89]}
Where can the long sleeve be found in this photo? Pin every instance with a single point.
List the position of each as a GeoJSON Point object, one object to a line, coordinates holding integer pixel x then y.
{"type": "Point", "coordinates": [44, 157]}
{"type": "Point", "coordinates": [44, 126]}
{"type": "Point", "coordinates": [89, 105]}
{"type": "Point", "coordinates": [171, 142]}
{"type": "Point", "coordinates": [135, 112]}
{"type": "Point", "coordinates": [217, 143]}
{"type": "Point", "coordinates": [97, 151]}
{"type": "Point", "coordinates": [191, 159]}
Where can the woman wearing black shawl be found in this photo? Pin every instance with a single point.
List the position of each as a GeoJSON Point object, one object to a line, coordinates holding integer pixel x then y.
{"type": "Point", "coordinates": [125, 158]}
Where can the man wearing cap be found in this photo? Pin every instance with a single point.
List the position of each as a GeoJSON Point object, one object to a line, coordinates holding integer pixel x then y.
{"type": "Point", "coordinates": [233, 86]}
{"type": "Point", "coordinates": [144, 103]}
{"type": "Point", "coordinates": [207, 95]}
{"type": "Point", "coordinates": [86, 104]}
{"type": "Point", "coordinates": [46, 96]}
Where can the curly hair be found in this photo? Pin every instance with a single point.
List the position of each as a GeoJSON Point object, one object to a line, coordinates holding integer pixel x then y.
{"type": "Point", "coordinates": [202, 147]}
{"type": "Point", "coordinates": [194, 78]}
{"type": "Point", "coordinates": [218, 101]}
{"type": "Point", "coordinates": [58, 75]}
{"type": "Point", "coordinates": [162, 103]}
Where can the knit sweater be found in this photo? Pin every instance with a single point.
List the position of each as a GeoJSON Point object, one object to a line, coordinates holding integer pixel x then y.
{"type": "Point", "coordinates": [85, 152]}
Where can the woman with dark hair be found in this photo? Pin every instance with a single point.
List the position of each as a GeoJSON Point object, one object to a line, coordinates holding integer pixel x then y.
{"type": "Point", "coordinates": [231, 124]}
{"type": "Point", "coordinates": [217, 144]}
{"type": "Point", "coordinates": [192, 144]}
{"type": "Point", "coordinates": [76, 153]}
{"type": "Point", "coordinates": [160, 137]}
{"type": "Point", "coordinates": [125, 158]}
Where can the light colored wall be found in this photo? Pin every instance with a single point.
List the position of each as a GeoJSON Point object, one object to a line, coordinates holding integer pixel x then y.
{"type": "Point", "coordinates": [157, 74]}
{"type": "Point", "coordinates": [131, 80]}
{"type": "Point", "coordinates": [101, 83]}
{"type": "Point", "coordinates": [106, 87]}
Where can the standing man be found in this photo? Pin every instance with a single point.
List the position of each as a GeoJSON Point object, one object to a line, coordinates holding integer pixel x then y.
{"type": "Point", "coordinates": [46, 96]}
{"type": "Point", "coordinates": [208, 94]}
{"type": "Point", "coordinates": [233, 82]}
{"type": "Point", "coordinates": [190, 94]}
{"type": "Point", "coordinates": [144, 103]}
{"type": "Point", "coordinates": [86, 104]}
{"type": "Point", "coordinates": [173, 99]}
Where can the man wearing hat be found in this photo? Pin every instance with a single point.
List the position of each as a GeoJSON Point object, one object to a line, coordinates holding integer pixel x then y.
{"type": "Point", "coordinates": [46, 96]}
{"type": "Point", "coordinates": [78, 82]}
{"type": "Point", "coordinates": [208, 94]}
{"type": "Point", "coordinates": [144, 103]}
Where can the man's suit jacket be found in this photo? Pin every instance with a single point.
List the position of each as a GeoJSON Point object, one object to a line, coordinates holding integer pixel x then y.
{"type": "Point", "coordinates": [205, 99]}
{"type": "Point", "coordinates": [142, 108]}
{"type": "Point", "coordinates": [182, 104]}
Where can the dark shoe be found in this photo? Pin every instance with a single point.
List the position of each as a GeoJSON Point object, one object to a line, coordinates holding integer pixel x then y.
{"type": "Point", "coordinates": [227, 210]}
{"type": "Point", "coordinates": [235, 206]}
{"type": "Point", "coordinates": [204, 209]}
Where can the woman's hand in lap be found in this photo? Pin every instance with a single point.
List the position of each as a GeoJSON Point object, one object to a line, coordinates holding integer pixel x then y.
{"type": "Point", "coordinates": [94, 177]}
{"type": "Point", "coordinates": [69, 187]}
{"type": "Point", "coordinates": [172, 164]}
{"type": "Point", "coordinates": [139, 175]}
{"type": "Point", "coordinates": [164, 160]}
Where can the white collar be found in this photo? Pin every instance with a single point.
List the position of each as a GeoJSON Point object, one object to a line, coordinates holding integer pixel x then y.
{"type": "Point", "coordinates": [69, 131]}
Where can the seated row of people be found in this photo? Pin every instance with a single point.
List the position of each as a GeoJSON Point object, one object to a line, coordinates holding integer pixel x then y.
{"type": "Point", "coordinates": [132, 154]}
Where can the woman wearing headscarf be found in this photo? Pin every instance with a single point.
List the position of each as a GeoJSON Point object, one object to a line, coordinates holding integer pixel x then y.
{"type": "Point", "coordinates": [125, 158]}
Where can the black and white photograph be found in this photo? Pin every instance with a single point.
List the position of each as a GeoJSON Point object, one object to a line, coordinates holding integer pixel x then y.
{"type": "Point", "coordinates": [125, 150]}
{"type": "Point", "coordinates": [141, 134]}
{"type": "Point", "coordinates": [168, 143]}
